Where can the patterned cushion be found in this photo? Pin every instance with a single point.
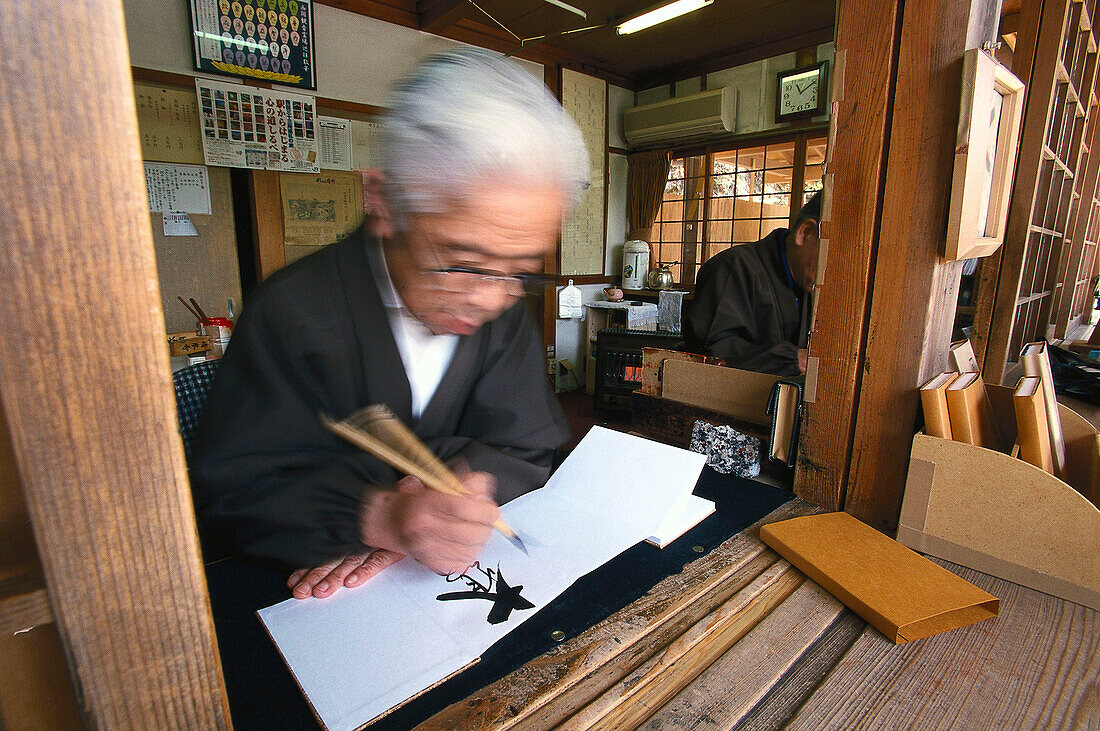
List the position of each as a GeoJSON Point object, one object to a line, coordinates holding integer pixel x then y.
{"type": "Point", "coordinates": [192, 387]}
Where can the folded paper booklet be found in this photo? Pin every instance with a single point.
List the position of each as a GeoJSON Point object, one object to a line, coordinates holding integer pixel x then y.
{"type": "Point", "coordinates": [360, 653]}
{"type": "Point", "coordinates": [901, 593]}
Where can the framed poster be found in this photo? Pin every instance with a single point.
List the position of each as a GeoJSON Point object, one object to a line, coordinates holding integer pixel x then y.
{"type": "Point", "coordinates": [269, 40]}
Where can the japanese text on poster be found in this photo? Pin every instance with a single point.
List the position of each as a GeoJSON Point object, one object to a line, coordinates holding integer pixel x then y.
{"type": "Point", "coordinates": [257, 128]}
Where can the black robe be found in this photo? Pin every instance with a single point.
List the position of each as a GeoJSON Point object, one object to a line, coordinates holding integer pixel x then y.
{"type": "Point", "coordinates": [746, 310]}
{"type": "Point", "coordinates": [315, 338]}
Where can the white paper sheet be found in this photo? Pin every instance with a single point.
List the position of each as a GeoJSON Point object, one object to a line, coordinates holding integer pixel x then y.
{"type": "Point", "coordinates": [174, 187]}
{"type": "Point", "coordinates": [335, 143]}
{"type": "Point", "coordinates": [177, 223]}
{"type": "Point", "coordinates": [364, 650]}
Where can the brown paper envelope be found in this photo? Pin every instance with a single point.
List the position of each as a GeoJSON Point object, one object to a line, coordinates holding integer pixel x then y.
{"type": "Point", "coordinates": [901, 593]}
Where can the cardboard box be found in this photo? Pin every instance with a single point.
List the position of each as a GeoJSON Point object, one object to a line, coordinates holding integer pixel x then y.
{"type": "Point", "coordinates": [998, 514]}
{"type": "Point", "coordinates": [628, 314]}
{"type": "Point", "coordinates": [732, 391]}
{"type": "Point", "coordinates": [653, 360]}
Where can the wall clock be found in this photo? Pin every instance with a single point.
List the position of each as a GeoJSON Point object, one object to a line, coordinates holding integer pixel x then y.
{"type": "Point", "coordinates": [801, 93]}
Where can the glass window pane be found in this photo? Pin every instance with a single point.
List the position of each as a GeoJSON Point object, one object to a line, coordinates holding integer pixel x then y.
{"type": "Point", "coordinates": [746, 231]}
{"type": "Point", "coordinates": [724, 162]}
{"type": "Point", "coordinates": [781, 155]}
{"type": "Point", "coordinates": [815, 151]}
{"type": "Point", "coordinates": [771, 224]}
{"type": "Point", "coordinates": [814, 175]}
{"type": "Point", "coordinates": [777, 205]}
{"type": "Point", "coordinates": [751, 158]}
{"type": "Point", "coordinates": [720, 231]}
{"type": "Point", "coordinates": [746, 207]}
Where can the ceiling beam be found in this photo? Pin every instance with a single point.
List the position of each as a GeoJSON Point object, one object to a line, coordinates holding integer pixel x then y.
{"type": "Point", "coordinates": [718, 62]}
{"type": "Point", "coordinates": [438, 15]}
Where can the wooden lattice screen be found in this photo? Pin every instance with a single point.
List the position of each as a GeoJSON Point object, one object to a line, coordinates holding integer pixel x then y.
{"type": "Point", "coordinates": [1039, 284]}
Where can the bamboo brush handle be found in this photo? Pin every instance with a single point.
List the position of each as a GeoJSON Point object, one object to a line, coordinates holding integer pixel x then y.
{"type": "Point", "coordinates": [381, 422]}
{"type": "Point", "coordinates": [400, 462]}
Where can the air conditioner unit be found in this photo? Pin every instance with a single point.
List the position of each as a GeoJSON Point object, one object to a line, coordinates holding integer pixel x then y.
{"type": "Point", "coordinates": [682, 118]}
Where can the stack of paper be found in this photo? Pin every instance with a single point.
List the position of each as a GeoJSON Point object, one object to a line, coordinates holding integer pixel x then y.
{"type": "Point", "coordinates": [366, 650]}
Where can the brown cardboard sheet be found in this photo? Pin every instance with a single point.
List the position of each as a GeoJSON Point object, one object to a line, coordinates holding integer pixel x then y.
{"type": "Point", "coordinates": [902, 594]}
{"type": "Point", "coordinates": [730, 391]}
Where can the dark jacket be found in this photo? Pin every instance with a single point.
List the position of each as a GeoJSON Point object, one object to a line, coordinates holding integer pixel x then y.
{"type": "Point", "coordinates": [315, 338]}
{"type": "Point", "coordinates": [747, 309]}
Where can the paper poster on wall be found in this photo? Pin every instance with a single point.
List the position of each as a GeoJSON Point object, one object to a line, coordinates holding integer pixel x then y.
{"type": "Point", "coordinates": [320, 209]}
{"type": "Point", "coordinates": [172, 187]}
{"type": "Point", "coordinates": [168, 124]}
{"type": "Point", "coordinates": [177, 223]}
{"type": "Point", "coordinates": [243, 127]}
{"type": "Point", "coordinates": [582, 238]}
{"type": "Point", "coordinates": [269, 40]}
{"type": "Point", "coordinates": [334, 139]}
{"type": "Point", "coordinates": [365, 143]}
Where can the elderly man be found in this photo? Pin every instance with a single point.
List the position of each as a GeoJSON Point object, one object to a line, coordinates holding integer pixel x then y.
{"type": "Point", "coordinates": [422, 310]}
{"type": "Point", "coordinates": [752, 304]}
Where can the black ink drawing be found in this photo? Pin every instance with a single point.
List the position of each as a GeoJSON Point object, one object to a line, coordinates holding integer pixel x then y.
{"type": "Point", "coordinates": [504, 599]}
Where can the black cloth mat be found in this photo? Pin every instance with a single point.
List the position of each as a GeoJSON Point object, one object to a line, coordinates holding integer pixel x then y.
{"type": "Point", "coordinates": [263, 694]}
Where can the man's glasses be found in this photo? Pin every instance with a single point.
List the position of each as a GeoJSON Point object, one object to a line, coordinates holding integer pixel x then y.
{"type": "Point", "coordinates": [461, 278]}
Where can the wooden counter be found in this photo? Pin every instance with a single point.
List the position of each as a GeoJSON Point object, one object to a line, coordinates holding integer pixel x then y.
{"type": "Point", "coordinates": [742, 639]}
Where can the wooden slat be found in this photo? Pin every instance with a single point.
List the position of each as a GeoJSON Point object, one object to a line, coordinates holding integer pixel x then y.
{"type": "Point", "coordinates": [985, 286]}
{"type": "Point", "coordinates": [729, 688]}
{"type": "Point", "coordinates": [793, 689]}
{"type": "Point", "coordinates": [90, 405]}
{"type": "Point", "coordinates": [861, 91]}
{"type": "Point", "coordinates": [267, 222]}
{"type": "Point", "coordinates": [910, 275]}
{"type": "Point", "coordinates": [996, 310]}
{"type": "Point", "coordinates": [23, 604]}
{"type": "Point", "coordinates": [635, 698]}
{"type": "Point", "coordinates": [552, 688]}
{"type": "Point", "coordinates": [1034, 666]}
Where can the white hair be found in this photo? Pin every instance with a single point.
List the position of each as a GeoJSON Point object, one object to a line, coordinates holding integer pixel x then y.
{"type": "Point", "coordinates": [470, 116]}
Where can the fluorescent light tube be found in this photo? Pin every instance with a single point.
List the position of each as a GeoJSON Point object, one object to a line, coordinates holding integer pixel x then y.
{"type": "Point", "coordinates": [651, 18]}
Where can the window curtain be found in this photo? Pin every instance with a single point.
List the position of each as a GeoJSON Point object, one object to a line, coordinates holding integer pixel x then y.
{"type": "Point", "coordinates": [647, 173]}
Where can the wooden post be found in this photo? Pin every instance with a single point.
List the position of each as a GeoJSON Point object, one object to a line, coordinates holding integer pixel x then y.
{"type": "Point", "coordinates": [267, 211]}
{"type": "Point", "coordinates": [85, 380]}
{"type": "Point", "coordinates": [914, 291]}
{"type": "Point", "coordinates": [862, 82]}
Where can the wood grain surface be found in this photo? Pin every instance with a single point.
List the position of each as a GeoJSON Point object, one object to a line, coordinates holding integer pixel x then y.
{"type": "Point", "coordinates": [735, 683]}
{"type": "Point", "coordinates": [85, 380]}
{"type": "Point", "coordinates": [860, 100]}
{"type": "Point", "coordinates": [1037, 665]}
{"type": "Point", "coordinates": [551, 688]}
{"type": "Point", "coordinates": [910, 276]}
{"type": "Point", "coordinates": [638, 695]}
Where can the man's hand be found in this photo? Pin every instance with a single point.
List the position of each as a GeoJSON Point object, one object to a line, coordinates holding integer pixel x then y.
{"type": "Point", "coordinates": [444, 532]}
{"type": "Point", "coordinates": [803, 357]}
{"type": "Point", "coordinates": [350, 570]}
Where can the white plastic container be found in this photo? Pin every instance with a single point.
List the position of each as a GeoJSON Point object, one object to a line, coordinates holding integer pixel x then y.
{"type": "Point", "coordinates": [635, 264]}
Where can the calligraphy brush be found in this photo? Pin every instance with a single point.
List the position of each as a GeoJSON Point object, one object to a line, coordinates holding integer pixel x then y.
{"type": "Point", "coordinates": [378, 431]}
{"type": "Point", "coordinates": [189, 308]}
{"type": "Point", "coordinates": [205, 320]}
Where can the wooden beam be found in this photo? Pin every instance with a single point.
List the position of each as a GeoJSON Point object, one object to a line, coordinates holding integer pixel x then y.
{"type": "Point", "coordinates": [85, 380]}
{"type": "Point", "coordinates": [861, 93]}
{"type": "Point", "coordinates": [914, 292]}
{"type": "Point", "coordinates": [267, 222]}
{"type": "Point", "coordinates": [441, 14]}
